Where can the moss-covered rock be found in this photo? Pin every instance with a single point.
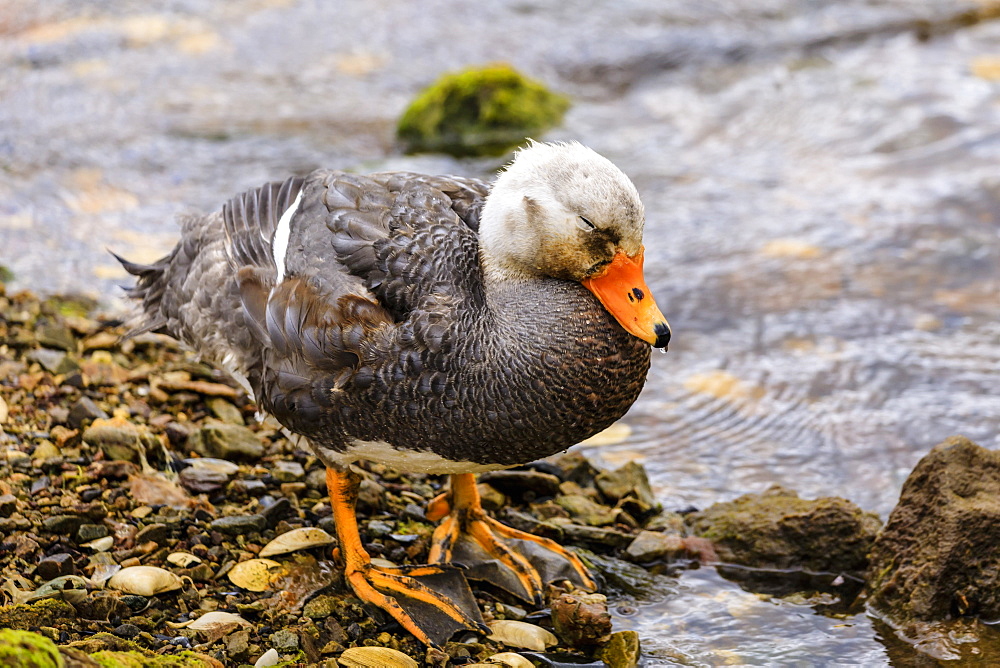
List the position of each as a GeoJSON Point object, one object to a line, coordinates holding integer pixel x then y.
{"type": "Point", "coordinates": [479, 111]}
{"type": "Point", "coordinates": [49, 612]}
{"type": "Point", "coordinates": [23, 649]}
{"type": "Point", "coordinates": [110, 659]}
{"type": "Point", "coordinates": [778, 530]}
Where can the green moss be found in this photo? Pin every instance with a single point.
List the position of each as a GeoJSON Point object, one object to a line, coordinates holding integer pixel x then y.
{"type": "Point", "coordinates": [479, 111]}
{"type": "Point", "coordinates": [23, 649]}
{"type": "Point", "coordinates": [23, 616]}
{"type": "Point", "coordinates": [132, 659]}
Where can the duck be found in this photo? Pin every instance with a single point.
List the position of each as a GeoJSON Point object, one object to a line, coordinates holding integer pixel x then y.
{"type": "Point", "coordinates": [433, 324]}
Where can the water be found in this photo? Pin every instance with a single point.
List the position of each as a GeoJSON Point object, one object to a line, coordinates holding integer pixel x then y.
{"type": "Point", "coordinates": [820, 182]}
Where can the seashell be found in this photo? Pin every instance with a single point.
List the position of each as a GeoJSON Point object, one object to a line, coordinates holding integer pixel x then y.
{"type": "Point", "coordinates": [103, 572]}
{"type": "Point", "coordinates": [182, 559]}
{"type": "Point", "coordinates": [375, 657]}
{"type": "Point", "coordinates": [100, 544]}
{"type": "Point", "coordinates": [512, 659]}
{"type": "Point", "coordinates": [71, 588]}
{"type": "Point", "coordinates": [144, 580]}
{"type": "Point", "coordinates": [521, 634]}
{"type": "Point", "coordinates": [268, 658]}
{"type": "Point", "coordinates": [296, 539]}
{"type": "Point", "coordinates": [211, 464]}
{"type": "Point", "coordinates": [256, 574]}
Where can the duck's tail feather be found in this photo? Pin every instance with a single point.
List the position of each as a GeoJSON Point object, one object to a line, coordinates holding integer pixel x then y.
{"type": "Point", "coordinates": [148, 290]}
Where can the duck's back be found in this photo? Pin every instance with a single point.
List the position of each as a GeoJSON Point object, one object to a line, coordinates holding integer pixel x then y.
{"type": "Point", "coordinates": [352, 307]}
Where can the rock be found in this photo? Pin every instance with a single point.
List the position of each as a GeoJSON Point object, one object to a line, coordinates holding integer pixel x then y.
{"type": "Point", "coordinates": [778, 530]}
{"type": "Point", "coordinates": [47, 612]}
{"type": "Point", "coordinates": [23, 649]}
{"type": "Point", "coordinates": [479, 111]}
{"type": "Point", "coordinates": [937, 556]}
{"type": "Point", "coordinates": [526, 485]}
{"type": "Point", "coordinates": [235, 525]}
{"type": "Point", "coordinates": [8, 504]}
{"type": "Point", "coordinates": [224, 410]}
{"type": "Point", "coordinates": [285, 640]}
{"type": "Point", "coordinates": [622, 650]}
{"type": "Point", "coordinates": [595, 536]}
{"type": "Point", "coordinates": [666, 521]}
{"type": "Point", "coordinates": [581, 619]}
{"type": "Point", "coordinates": [491, 497]}
{"type": "Point", "coordinates": [652, 546]}
{"type": "Point", "coordinates": [320, 607]}
{"type": "Point", "coordinates": [127, 631]}
{"type": "Point", "coordinates": [53, 361]}
{"type": "Point", "coordinates": [202, 481]}
{"type": "Point", "coordinates": [587, 511]}
{"type": "Point", "coordinates": [277, 511]}
{"type": "Point", "coordinates": [55, 565]}
{"type": "Point", "coordinates": [286, 471]}
{"type": "Point", "coordinates": [84, 411]}
{"type": "Point", "coordinates": [156, 533]}
{"type": "Point", "coordinates": [45, 450]}
{"type": "Point", "coordinates": [226, 441]}
{"type": "Point", "coordinates": [120, 439]}
{"type": "Point", "coordinates": [630, 483]}
{"type": "Point", "coordinates": [66, 524]}
{"type": "Point", "coordinates": [54, 335]}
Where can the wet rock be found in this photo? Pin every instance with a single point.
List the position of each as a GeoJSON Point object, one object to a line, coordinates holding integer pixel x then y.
{"type": "Point", "coordinates": [585, 510]}
{"type": "Point", "coordinates": [84, 411]}
{"type": "Point", "coordinates": [598, 537]}
{"type": "Point", "coordinates": [629, 487]}
{"type": "Point", "coordinates": [226, 441]}
{"type": "Point", "coordinates": [666, 521]}
{"type": "Point", "coordinates": [778, 530]}
{"type": "Point", "coordinates": [479, 111]}
{"type": "Point", "coordinates": [55, 565]}
{"type": "Point", "coordinates": [937, 556]}
{"type": "Point", "coordinates": [652, 546]}
{"type": "Point", "coordinates": [239, 524]}
{"type": "Point", "coordinates": [622, 650]}
{"type": "Point", "coordinates": [525, 485]}
{"type": "Point", "coordinates": [581, 619]}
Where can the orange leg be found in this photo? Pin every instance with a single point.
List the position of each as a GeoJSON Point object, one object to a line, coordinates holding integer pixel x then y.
{"type": "Point", "coordinates": [367, 580]}
{"type": "Point", "coordinates": [466, 518]}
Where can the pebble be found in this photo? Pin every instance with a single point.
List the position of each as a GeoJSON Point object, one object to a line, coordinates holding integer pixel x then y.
{"type": "Point", "coordinates": [89, 532]}
{"type": "Point", "coordinates": [202, 481]}
{"type": "Point", "coordinates": [127, 631]}
{"type": "Point", "coordinates": [285, 471]}
{"type": "Point", "coordinates": [53, 361]}
{"type": "Point", "coordinates": [225, 411]}
{"type": "Point", "coordinates": [8, 504]}
{"type": "Point", "coordinates": [601, 536]}
{"type": "Point", "coordinates": [67, 524]}
{"type": "Point", "coordinates": [235, 525]}
{"type": "Point", "coordinates": [277, 511]}
{"type": "Point", "coordinates": [156, 533]}
{"type": "Point", "coordinates": [528, 485]}
{"type": "Point", "coordinates": [226, 441]}
{"type": "Point", "coordinates": [55, 566]}
{"type": "Point", "coordinates": [285, 640]}
{"type": "Point", "coordinates": [83, 411]}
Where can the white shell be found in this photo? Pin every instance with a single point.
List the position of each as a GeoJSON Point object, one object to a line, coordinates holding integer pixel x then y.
{"type": "Point", "coordinates": [103, 572]}
{"type": "Point", "coordinates": [256, 574]}
{"type": "Point", "coordinates": [296, 539]}
{"type": "Point", "coordinates": [512, 659]}
{"type": "Point", "coordinates": [213, 620]}
{"type": "Point", "coordinates": [521, 634]}
{"type": "Point", "coordinates": [375, 657]}
{"type": "Point", "coordinates": [268, 658]}
{"type": "Point", "coordinates": [100, 544]}
{"type": "Point", "coordinates": [144, 580]}
{"type": "Point", "coordinates": [182, 559]}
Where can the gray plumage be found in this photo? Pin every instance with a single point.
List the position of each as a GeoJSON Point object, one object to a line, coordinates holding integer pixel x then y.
{"type": "Point", "coordinates": [385, 327]}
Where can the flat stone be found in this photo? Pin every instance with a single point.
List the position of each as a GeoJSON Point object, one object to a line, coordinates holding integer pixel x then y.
{"type": "Point", "coordinates": [226, 441]}
{"type": "Point", "coordinates": [285, 640]}
{"type": "Point", "coordinates": [587, 511]}
{"type": "Point", "coordinates": [83, 411]}
{"type": "Point", "coordinates": [155, 532]}
{"type": "Point", "coordinates": [67, 524]}
{"type": "Point", "coordinates": [54, 566]}
{"type": "Point", "coordinates": [53, 335]}
{"type": "Point", "coordinates": [225, 411]}
{"type": "Point", "coordinates": [285, 471]}
{"type": "Point", "coordinates": [239, 524]}
{"type": "Point", "coordinates": [89, 532]}
{"type": "Point", "coordinates": [527, 485]}
{"type": "Point", "coordinates": [653, 545]}
{"type": "Point", "coordinates": [595, 536]}
{"type": "Point", "coordinates": [202, 481]}
{"type": "Point", "coordinates": [119, 439]}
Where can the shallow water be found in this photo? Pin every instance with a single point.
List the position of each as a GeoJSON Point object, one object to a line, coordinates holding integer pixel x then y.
{"type": "Point", "coordinates": [821, 186]}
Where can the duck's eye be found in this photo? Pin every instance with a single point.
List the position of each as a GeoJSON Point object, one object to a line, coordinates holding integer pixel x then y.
{"type": "Point", "coordinates": [586, 224]}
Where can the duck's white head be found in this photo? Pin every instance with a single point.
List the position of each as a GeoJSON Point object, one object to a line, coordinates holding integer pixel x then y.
{"type": "Point", "coordinates": [563, 211]}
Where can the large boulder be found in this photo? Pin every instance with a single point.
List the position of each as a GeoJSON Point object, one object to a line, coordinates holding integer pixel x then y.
{"type": "Point", "coordinates": [938, 556]}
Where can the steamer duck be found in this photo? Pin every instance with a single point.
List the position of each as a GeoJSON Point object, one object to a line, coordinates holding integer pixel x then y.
{"type": "Point", "coordinates": [432, 323]}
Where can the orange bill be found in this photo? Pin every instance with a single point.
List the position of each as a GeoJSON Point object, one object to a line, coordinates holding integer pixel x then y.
{"type": "Point", "coordinates": [623, 291]}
